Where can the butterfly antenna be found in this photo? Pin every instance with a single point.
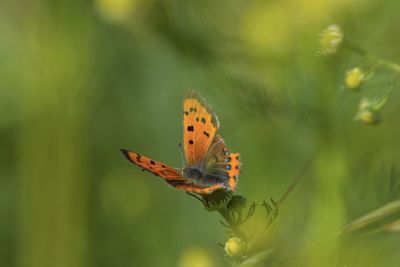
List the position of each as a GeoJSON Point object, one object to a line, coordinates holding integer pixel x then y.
{"type": "Point", "coordinates": [181, 152]}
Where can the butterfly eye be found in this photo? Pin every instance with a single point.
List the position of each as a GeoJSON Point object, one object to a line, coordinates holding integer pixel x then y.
{"type": "Point", "coordinates": [226, 153]}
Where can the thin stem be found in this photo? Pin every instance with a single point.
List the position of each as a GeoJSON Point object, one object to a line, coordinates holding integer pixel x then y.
{"type": "Point", "coordinates": [388, 64]}
{"type": "Point", "coordinates": [269, 225]}
{"type": "Point", "coordinates": [231, 223]}
{"type": "Point", "coordinates": [295, 181]}
{"type": "Point", "coordinates": [356, 49]}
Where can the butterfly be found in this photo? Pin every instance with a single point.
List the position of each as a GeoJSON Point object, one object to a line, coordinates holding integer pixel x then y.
{"type": "Point", "coordinates": [209, 163]}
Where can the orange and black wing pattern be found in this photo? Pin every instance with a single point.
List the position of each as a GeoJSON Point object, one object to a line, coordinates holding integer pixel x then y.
{"type": "Point", "coordinates": [172, 176]}
{"type": "Point", "coordinates": [221, 162]}
{"type": "Point", "coordinates": [200, 126]}
{"type": "Point", "coordinates": [156, 167]}
{"type": "Point", "coordinates": [193, 188]}
{"type": "Point", "coordinates": [204, 149]}
{"type": "Point", "coordinates": [233, 169]}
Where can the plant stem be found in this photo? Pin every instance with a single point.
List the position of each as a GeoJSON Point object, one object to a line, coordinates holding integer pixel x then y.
{"type": "Point", "coordinates": [296, 180]}
{"type": "Point", "coordinates": [391, 65]}
{"type": "Point", "coordinates": [388, 64]}
{"type": "Point", "coordinates": [224, 212]}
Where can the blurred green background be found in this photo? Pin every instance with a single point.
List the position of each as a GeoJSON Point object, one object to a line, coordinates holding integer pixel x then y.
{"type": "Point", "coordinates": [81, 79]}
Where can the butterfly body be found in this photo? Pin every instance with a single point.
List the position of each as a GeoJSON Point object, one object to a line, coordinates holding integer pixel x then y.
{"type": "Point", "coordinates": [199, 176]}
{"type": "Point", "coordinates": [209, 163]}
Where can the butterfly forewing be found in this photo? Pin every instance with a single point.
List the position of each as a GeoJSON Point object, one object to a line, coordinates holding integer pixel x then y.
{"type": "Point", "coordinates": [158, 168]}
{"type": "Point", "coordinates": [200, 126]}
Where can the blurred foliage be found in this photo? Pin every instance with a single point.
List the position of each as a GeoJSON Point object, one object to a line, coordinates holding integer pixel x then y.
{"type": "Point", "coordinates": [81, 79]}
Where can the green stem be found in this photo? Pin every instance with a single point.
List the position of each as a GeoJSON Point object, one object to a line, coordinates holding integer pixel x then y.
{"type": "Point", "coordinates": [302, 172]}
{"type": "Point", "coordinates": [224, 213]}
{"type": "Point", "coordinates": [381, 62]}
{"type": "Point", "coordinates": [391, 65]}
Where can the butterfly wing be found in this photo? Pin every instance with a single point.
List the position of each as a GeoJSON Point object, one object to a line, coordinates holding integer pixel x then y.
{"type": "Point", "coordinates": [200, 126]}
{"type": "Point", "coordinates": [193, 188]}
{"type": "Point", "coordinates": [222, 164]}
{"type": "Point", "coordinates": [172, 176]}
{"type": "Point", "coordinates": [156, 167]}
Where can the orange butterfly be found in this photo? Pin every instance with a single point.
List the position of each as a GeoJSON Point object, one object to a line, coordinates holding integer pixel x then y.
{"type": "Point", "coordinates": [209, 163]}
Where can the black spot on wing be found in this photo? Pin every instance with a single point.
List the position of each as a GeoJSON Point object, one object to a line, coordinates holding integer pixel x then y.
{"type": "Point", "coordinates": [206, 134]}
{"type": "Point", "coordinates": [152, 162]}
{"type": "Point", "coordinates": [197, 119]}
{"type": "Point", "coordinates": [190, 128]}
{"type": "Point", "coordinates": [203, 120]}
{"type": "Point", "coordinates": [191, 142]}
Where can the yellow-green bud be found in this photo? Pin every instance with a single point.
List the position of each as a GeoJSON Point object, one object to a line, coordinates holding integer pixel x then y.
{"type": "Point", "coordinates": [235, 247]}
{"type": "Point", "coordinates": [367, 116]}
{"type": "Point", "coordinates": [354, 78]}
{"type": "Point", "coordinates": [367, 112]}
{"type": "Point", "coordinates": [330, 39]}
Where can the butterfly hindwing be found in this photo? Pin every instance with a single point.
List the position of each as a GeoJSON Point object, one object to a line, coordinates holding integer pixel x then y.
{"type": "Point", "coordinates": [193, 188]}
{"type": "Point", "coordinates": [156, 167]}
{"type": "Point", "coordinates": [233, 169]}
{"type": "Point", "coordinates": [200, 126]}
{"type": "Point", "coordinates": [222, 163]}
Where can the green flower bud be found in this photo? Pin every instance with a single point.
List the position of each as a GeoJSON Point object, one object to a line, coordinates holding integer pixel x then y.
{"type": "Point", "coordinates": [217, 200]}
{"type": "Point", "coordinates": [237, 203]}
